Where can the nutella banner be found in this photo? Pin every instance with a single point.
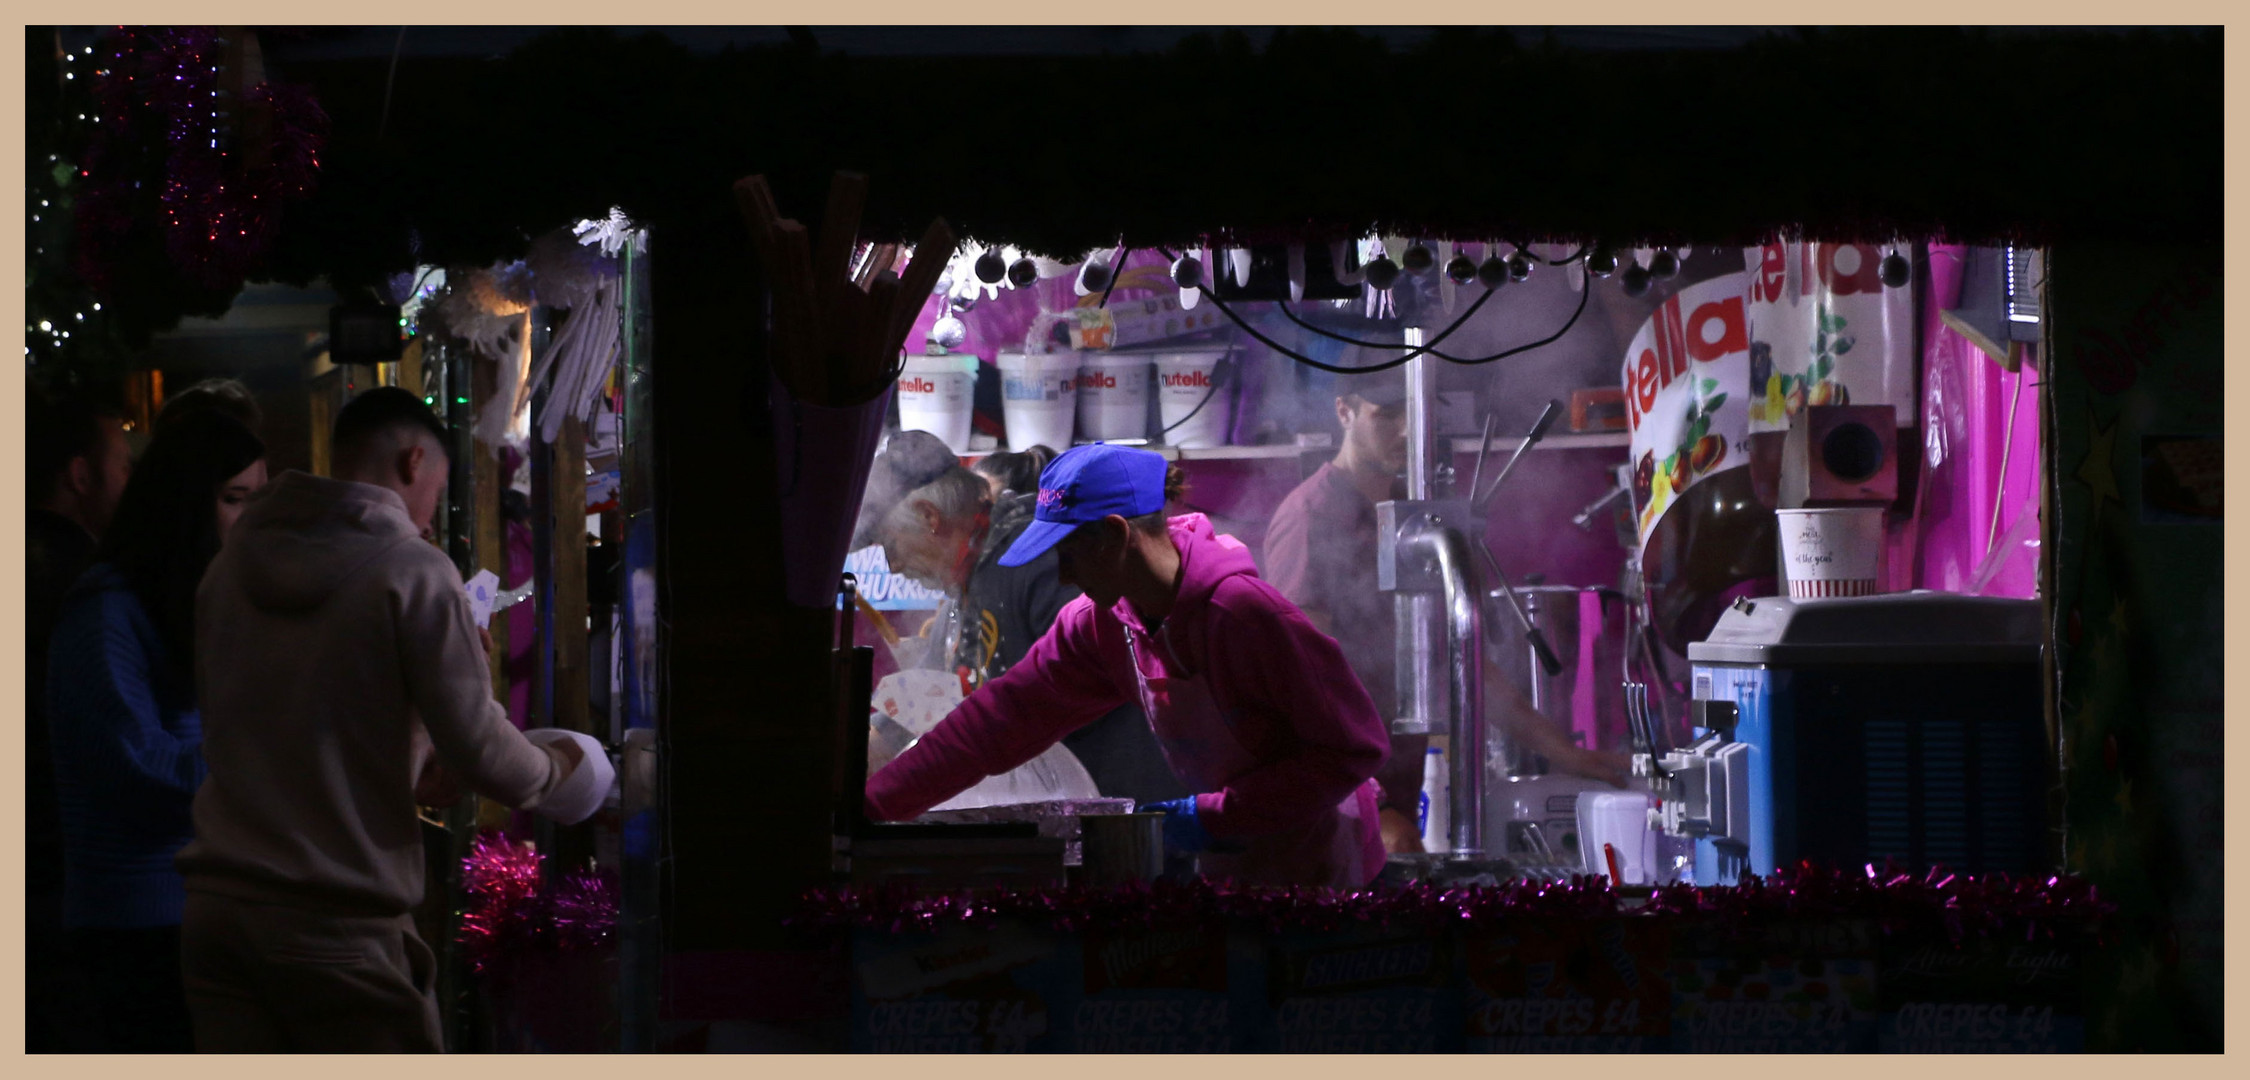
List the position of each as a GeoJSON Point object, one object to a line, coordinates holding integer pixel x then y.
{"type": "Point", "coordinates": [1686, 378]}
{"type": "Point", "coordinates": [1824, 331]}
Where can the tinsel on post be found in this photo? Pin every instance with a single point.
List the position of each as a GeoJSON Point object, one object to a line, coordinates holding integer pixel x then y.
{"type": "Point", "coordinates": [513, 915]}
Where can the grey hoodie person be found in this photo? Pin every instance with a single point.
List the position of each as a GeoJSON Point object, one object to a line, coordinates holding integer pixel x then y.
{"type": "Point", "coordinates": [325, 629]}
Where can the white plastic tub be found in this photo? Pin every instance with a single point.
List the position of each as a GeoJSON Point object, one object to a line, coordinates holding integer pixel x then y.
{"type": "Point", "coordinates": [1039, 399]}
{"type": "Point", "coordinates": [1113, 395]}
{"type": "Point", "coordinates": [937, 394]}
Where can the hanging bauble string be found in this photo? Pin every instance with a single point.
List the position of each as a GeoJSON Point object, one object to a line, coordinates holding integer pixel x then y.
{"type": "Point", "coordinates": [1634, 280]}
{"type": "Point", "coordinates": [1895, 271]}
{"type": "Point", "coordinates": [1519, 266]}
{"type": "Point", "coordinates": [1664, 266]}
{"type": "Point", "coordinates": [1493, 272]}
{"type": "Point", "coordinates": [1461, 270]}
{"type": "Point", "coordinates": [1601, 262]}
{"type": "Point", "coordinates": [1382, 273]}
{"type": "Point", "coordinates": [1418, 258]}
{"type": "Point", "coordinates": [991, 268]}
{"type": "Point", "coordinates": [949, 332]}
{"type": "Point", "coordinates": [1187, 272]}
{"type": "Point", "coordinates": [1023, 273]}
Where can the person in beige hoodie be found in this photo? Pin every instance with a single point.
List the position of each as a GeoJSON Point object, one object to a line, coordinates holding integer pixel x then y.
{"type": "Point", "coordinates": [330, 637]}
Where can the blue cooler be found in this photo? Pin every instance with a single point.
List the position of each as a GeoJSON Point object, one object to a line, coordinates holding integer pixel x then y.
{"type": "Point", "coordinates": [1908, 726]}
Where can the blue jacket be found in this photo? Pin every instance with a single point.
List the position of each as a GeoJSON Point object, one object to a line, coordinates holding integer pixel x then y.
{"type": "Point", "coordinates": [128, 746]}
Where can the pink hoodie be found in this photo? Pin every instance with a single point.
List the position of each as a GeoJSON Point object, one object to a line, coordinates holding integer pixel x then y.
{"type": "Point", "coordinates": [1252, 705]}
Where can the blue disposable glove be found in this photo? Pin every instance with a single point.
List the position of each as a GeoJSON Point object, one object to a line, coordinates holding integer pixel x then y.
{"type": "Point", "coordinates": [1183, 833]}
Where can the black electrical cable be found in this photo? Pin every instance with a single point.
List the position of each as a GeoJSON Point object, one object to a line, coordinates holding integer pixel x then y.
{"type": "Point", "coordinates": [1116, 267]}
{"type": "Point", "coordinates": [1309, 361]}
{"type": "Point", "coordinates": [1564, 261]}
{"type": "Point", "coordinates": [1298, 356]}
{"type": "Point", "coordinates": [1584, 295]}
{"type": "Point", "coordinates": [1428, 346]}
{"type": "Point", "coordinates": [1226, 376]}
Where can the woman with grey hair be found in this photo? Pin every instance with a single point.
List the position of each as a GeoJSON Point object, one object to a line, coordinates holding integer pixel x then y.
{"type": "Point", "coordinates": [941, 524]}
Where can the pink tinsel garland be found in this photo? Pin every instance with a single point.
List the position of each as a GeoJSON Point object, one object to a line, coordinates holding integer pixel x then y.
{"type": "Point", "coordinates": [511, 913]}
{"type": "Point", "coordinates": [1957, 906]}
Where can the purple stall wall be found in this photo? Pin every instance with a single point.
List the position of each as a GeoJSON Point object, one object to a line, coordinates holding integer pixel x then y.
{"type": "Point", "coordinates": [1530, 528]}
{"type": "Point", "coordinates": [1975, 463]}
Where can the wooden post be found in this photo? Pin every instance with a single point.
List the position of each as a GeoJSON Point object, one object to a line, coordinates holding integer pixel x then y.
{"type": "Point", "coordinates": [566, 486]}
{"type": "Point", "coordinates": [491, 543]}
{"type": "Point", "coordinates": [326, 394]}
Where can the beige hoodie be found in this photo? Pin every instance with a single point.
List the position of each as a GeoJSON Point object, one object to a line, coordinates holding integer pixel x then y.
{"type": "Point", "coordinates": [324, 630]}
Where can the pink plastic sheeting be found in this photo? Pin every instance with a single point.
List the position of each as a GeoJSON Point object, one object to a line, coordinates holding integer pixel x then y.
{"type": "Point", "coordinates": [1975, 465]}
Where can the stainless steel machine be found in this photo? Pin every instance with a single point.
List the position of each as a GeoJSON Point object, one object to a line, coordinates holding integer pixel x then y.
{"type": "Point", "coordinates": [1431, 556]}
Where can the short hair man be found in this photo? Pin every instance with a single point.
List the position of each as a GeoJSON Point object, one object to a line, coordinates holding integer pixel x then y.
{"type": "Point", "coordinates": [329, 638]}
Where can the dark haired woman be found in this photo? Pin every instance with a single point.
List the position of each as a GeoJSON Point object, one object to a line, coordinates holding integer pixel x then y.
{"type": "Point", "coordinates": [1014, 472]}
{"type": "Point", "coordinates": [127, 738]}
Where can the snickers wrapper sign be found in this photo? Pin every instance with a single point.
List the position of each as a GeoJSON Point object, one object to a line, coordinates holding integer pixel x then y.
{"type": "Point", "coordinates": [1824, 331]}
{"type": "Point", "coordinates": [1686, 380]}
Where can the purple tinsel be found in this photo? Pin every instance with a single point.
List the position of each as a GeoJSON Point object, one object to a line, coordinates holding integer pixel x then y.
{"type": "Point", "coordinates": [1958, 906]}
{"type": "Point", "coordinates": [228, 166]}
{"type": "Point", "coordinates": [511, 913]}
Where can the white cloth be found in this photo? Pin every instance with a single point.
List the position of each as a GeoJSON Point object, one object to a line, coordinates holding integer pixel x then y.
{"type": "Point", "coordinates": [585, 787]}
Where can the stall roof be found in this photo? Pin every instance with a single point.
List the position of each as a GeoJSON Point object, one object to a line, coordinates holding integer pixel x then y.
{"type": "Point", "coordinates": [1081, 137]}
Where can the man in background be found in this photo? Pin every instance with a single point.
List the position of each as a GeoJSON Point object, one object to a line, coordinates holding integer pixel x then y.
{"type": "Point", "coordinates": [1320, 552]}
{"type": "Point", "coordinates": [78, 462]}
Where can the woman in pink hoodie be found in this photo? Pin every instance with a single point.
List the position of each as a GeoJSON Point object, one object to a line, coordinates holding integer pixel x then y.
{"type": "Point", "coordinates": [1253, 706]}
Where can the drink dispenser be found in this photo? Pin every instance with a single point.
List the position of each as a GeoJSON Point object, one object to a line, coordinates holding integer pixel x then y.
{"type": "Point", "coordinates": [1906, 727]}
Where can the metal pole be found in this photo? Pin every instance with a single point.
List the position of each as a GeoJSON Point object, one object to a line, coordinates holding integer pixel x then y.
{"type": "Point", "coordinates": [1422, 459]}
{"type": "Point", "coordinates": [1465, 636]}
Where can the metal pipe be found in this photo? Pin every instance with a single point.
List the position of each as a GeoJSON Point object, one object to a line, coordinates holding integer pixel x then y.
{"type": "Point", "coordinates": [1449, 545]}
{"type": "Point", "coordinates": [1414, 654]}
{"type": "Point", "coordinates": [1422, 458]}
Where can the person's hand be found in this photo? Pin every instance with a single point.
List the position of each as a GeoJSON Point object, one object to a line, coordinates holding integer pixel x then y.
{"type": "Point", "coordinates": [571, 755]}
{"type": "Point", "coordinates": [1183, 834]}
{"type": "Point", "coordinates": [1399, 835]}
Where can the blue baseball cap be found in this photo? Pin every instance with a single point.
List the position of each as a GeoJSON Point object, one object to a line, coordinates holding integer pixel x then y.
{"type": "Point", "coordinates": [1087, 484]}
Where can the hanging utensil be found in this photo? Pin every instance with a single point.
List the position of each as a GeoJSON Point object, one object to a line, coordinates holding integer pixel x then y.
{"type": "Point", "coordinates": [1477, 501]}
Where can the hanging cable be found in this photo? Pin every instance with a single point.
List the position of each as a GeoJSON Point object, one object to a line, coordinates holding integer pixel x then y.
{"type": "Point", "coordinates": [1116, 267]}
{"type": "Point", "coordinates": [1427, 346]}
{"type": "Point", "coordinates": [1324, 366]}
{"type": "Point", "coordinates": [1584, 295]}
{"type": "Point", "coordinates": [1430, 348]}
{"type": "Point", "coordinates": [1564, 261]}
